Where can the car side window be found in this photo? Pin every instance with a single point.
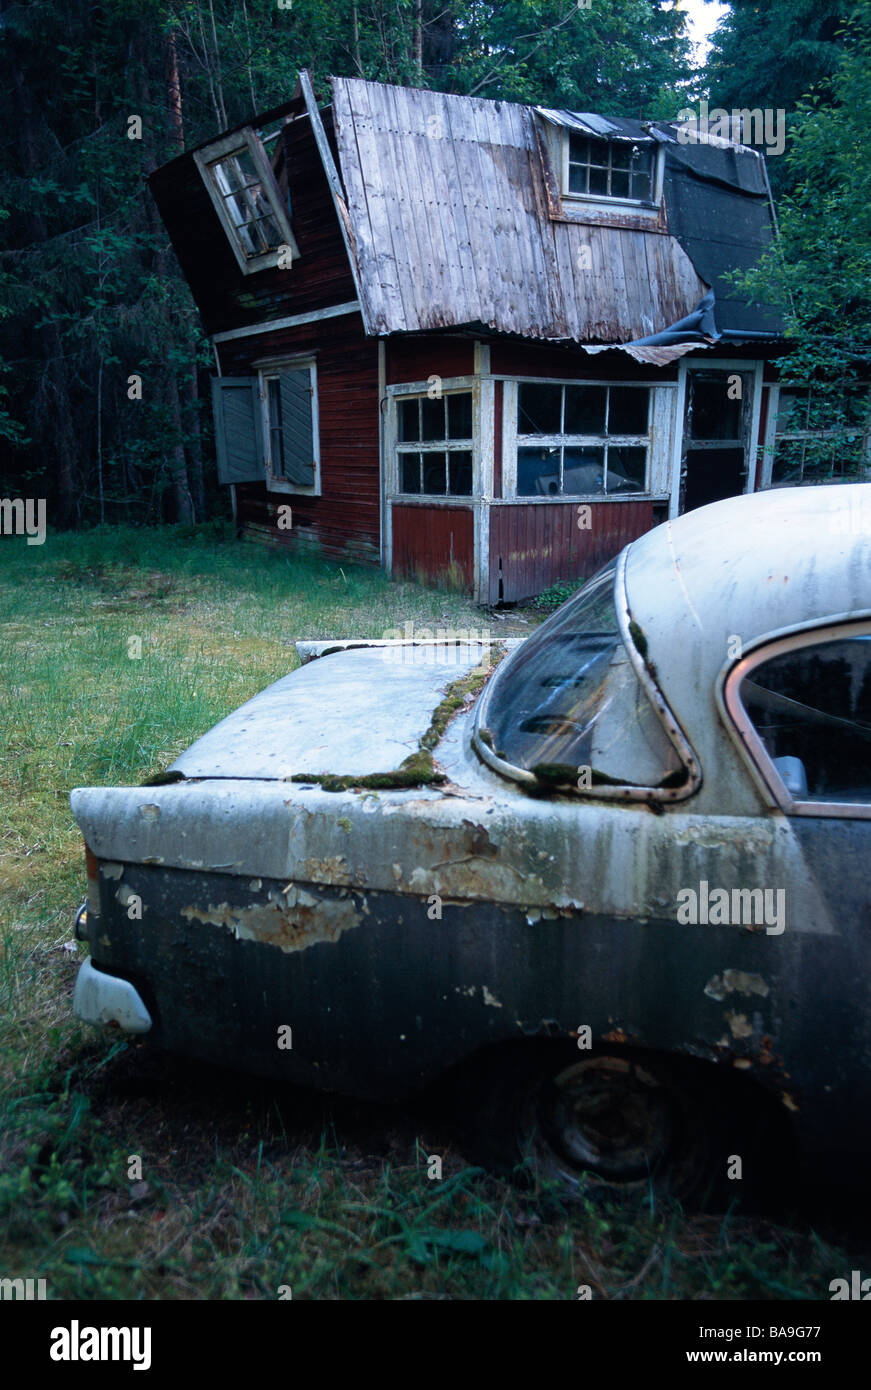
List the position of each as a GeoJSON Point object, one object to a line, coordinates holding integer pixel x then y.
{"type": "Point", "coordinates": [811, 709]}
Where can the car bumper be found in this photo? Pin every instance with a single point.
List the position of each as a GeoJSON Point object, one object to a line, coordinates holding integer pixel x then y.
{"type": "Point", "coordinates": [103, 999]}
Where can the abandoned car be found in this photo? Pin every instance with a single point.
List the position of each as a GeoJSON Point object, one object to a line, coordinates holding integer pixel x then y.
{"type": "Point", "coordinates": [633, 850]}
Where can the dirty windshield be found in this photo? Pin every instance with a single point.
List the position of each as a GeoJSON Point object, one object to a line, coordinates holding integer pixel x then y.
{"type": "Point", "coordinates": [568, 706]}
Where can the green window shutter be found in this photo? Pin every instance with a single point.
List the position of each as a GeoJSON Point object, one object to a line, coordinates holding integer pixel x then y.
{"type": "Point", "coordinates": [238, 430]}
{"type": "Point", "coordinates": [296, 426]}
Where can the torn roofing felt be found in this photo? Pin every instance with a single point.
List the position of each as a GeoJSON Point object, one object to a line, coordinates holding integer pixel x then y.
{"type": "Point", "coordinates": [719, 209]}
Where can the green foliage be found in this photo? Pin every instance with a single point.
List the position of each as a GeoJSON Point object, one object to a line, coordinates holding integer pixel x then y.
{"type": "Point", "coordinates": [820, 272]}
{"type": "Point", "coordinates": [773, 54]}
{"type": "Point", "coordinates": [556, 595]}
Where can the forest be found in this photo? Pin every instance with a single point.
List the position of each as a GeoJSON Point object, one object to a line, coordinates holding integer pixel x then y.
{"type": "Point", "coordinates": [103, 363]}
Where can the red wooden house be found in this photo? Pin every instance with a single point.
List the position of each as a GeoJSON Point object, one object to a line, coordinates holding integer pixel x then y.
{"type": "Point", "coordinates": [473, 340]}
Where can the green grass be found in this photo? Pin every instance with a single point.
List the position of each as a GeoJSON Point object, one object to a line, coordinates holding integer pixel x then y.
{"type": "Point", "coordinates": [246, 1188]}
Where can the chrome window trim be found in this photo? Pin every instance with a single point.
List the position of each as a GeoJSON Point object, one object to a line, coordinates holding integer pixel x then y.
{"type": "Point", "coordinates": [607, 792]}
{"type": "Point", "coordinates": [741, 727]}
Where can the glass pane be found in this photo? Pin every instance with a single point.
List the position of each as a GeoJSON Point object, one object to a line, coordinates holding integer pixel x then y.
{"type": "Point", "coordinates": [579, 149]}
{"type": "Point", "coordinates": [584, 470]}
{"type": "Point", "coordinates": [812, 710]}
{"type": "Point", "coordinates": [246, 166]}
{"type": "Point", "coordinates": [788, 459]}
{"type": "Point", "coordinates": [538, 409]}
{"type": "Point", "coordinates": [409, 420]}
{"type": "Point", "coordinates": [433, 413]}
{"type": "Point", "coordinates": [627, 411]}
{"type": "Point", "coordinates": [792, 411]}
{"type": "Point", "coordinates": [460, 416]}
{"type": "Point", "coordinates": [274, 394]}
{"type": "Point", "coordinates": [619, 184]}
{"type": "Point", "coordinates": [268, 228]}
{"type": "Point", "coordinates": [585, 409]}
{"type": "Point", "coordinates": [460, 473]}
{"type": "Point", "coordinates": [434, 474]}
{"type": "Point", "coordinates": [410, 472]}
{"type": "Point", "coordinates": [714, 415]}
{"type": "Point", "coordinates": [577, 178]}
{"type": "Point", "coordinates": [569, 698]}
{"type": "Point", "coordinates": [627, 469]}
{"type": "Point", "coordinates": [226, 176]}
{"type": "Point", "coordinates": [599, 182]}
{"type": "Point", "coordinates": [642, 185]}
{"type": "Point", "coordinates": [538, 472]}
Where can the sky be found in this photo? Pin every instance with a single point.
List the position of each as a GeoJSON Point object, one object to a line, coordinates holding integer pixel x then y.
{"type": "Point", "coordinates": [703, 19]}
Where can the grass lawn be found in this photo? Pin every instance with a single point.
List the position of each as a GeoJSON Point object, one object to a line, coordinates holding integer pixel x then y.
{"type": "Point", "coordinates": [247, 1189]}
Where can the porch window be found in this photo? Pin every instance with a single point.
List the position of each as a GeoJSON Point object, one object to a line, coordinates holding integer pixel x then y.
{"type": "Point", "coordinates": [582, 440]}
{"type": "Point", "coordinates": [819, 438]}
{"type": "Point", "coordinates": [434, 445]}
{"type": "Point", "coordinates": [610, 169]}
{"type": "Point", "coordinates": [241, 184]}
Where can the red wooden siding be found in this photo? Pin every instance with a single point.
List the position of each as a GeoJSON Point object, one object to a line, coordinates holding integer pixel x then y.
{"type": "Point", "coordinates": [346, 517]}
{"type": "Point", "coordinates": [416, 359]}
{"type": "Point", "coordinates": [428, 540]}
{"type": "Point", "coordinates": [530, 359]}
{"type": "Point", "coordinates": [532, 547]}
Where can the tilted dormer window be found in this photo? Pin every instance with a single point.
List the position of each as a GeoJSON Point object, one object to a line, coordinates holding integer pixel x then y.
{"type": "Point", "coordinates": [610, 169]}
{"type": "Point", "coordinates": [243, 189]}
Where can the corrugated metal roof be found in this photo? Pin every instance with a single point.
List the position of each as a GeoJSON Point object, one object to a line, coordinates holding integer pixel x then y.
{"type": "Point", "coordinates": [450, 225]}
{"type": "Point", "coordinates": [604, 128]}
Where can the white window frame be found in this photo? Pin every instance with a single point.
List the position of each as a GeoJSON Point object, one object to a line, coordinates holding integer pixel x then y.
{"type": "Point", "coordinates": [599, 201]}
{"type": "Point", "coordinates": [450, 386]}
{"type": "Point", "coordinates": [246, 140]}
{"type": "Point", "coordinates": [271, 370]}
{"type": "Point", "coordinates": [512, 441]}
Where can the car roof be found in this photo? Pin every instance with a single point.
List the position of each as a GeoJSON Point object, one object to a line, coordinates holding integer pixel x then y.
{"type": "Point", "coordinates": [745, 568]}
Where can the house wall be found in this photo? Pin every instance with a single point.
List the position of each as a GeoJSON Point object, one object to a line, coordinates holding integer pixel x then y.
{"type": "Point", "coordinates": [228, 299]}
{"type": "Point", "coordinates": [344, 519]}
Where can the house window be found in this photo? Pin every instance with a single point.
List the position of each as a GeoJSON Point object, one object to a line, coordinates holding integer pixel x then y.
{"type": "Point", "coordinates": [610, 169]}
{"type": "Point", "coordinates": [434, 445]}
{"type": "Point", "coordinates": [241, 184]}
{"type": "Point", "coordinates": [818, 438]}
{"type": "Point", "coordinates": [581, 440]}
{"type": "Point", "coordinates": [266, 427]}
{"type": "Point", "coordinates": [290, 427]}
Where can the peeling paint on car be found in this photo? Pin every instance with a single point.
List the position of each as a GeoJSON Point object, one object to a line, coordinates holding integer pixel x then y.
{"type": "Point", "coordinates": [735, 981]}
{"type": "Point", "coordinates": [292, 920]}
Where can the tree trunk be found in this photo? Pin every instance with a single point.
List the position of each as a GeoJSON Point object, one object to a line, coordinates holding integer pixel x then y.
{"type": "Point", "coordinates": [195, 447]}
{"type": "Point", "coordinates": [54, 434]}
{"type": "Point", "coordinates": [418, 35]}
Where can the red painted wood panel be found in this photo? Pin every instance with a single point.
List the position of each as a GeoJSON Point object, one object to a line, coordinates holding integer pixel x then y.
{"type": "Point", "coordinates": [432, 542]}
{"type": "Point", "coordinates": [416, 359]}
{"type": "Point", "coordinates": [346, 517]}
{"type": "Point", "coordinates": [509, 358]}
{"type": "Point", "coordinates": [532, 547]}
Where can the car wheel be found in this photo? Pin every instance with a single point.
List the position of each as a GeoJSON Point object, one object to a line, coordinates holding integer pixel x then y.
{"type": "Point", "coordinates": [604, 1123]}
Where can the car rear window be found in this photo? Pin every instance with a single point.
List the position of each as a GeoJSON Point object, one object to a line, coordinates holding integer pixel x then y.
{"type": "Point", "coordinates": [568, 707]}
